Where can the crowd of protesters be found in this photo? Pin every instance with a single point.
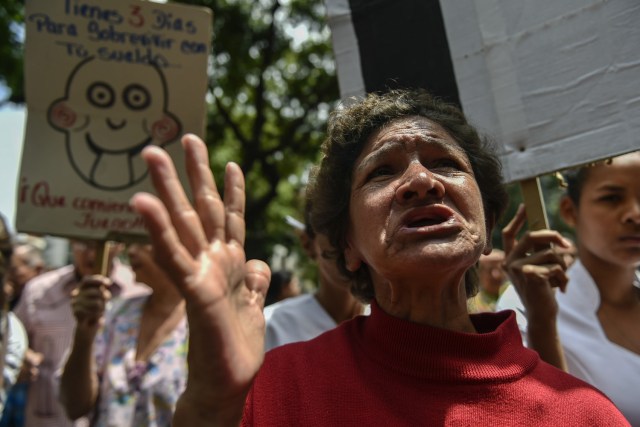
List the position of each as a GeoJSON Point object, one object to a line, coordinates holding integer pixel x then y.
{"type": "Point", "coordinates": [398, 223]}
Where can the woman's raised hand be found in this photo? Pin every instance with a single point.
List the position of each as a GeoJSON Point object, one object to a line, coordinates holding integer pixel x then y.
{"type": "Point", "coordinates": [200, 247]}
{"type": "Point", "coordinates": [533, 266]}
{"type": "Point", "coordinates": [536, 269]}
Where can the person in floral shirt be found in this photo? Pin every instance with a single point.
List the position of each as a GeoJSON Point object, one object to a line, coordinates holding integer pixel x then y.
{"type": "Point", "coordinates": [128, 364]}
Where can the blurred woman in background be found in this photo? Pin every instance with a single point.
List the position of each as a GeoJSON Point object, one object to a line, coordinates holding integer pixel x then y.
{"type": "Point", "coordinates": [127, 365]}
{"type": "Point", "coordinates": [597, 317]}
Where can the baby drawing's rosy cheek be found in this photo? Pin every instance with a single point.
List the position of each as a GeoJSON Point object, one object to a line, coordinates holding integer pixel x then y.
{"type": "Point", "coordinates": [164, 130]}
{"type": "Point", "coordinates": [62, 116]}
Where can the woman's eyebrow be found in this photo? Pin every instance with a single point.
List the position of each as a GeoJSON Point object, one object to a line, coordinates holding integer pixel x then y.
{"type": "Point", "coordinates": [611, 187]}
{"type": "Point", "coordinates": [427, 141]}
{"type": "Point", "coordinates": [373, 157]}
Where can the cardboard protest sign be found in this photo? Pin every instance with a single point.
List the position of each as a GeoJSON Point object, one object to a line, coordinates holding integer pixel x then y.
{"type": "Point", "coordinates": [556, 83]}
{"type": "Point", "coordinates": [104, 79]}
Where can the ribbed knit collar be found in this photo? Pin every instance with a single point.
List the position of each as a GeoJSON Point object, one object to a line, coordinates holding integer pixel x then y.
{"type": "Point", "coordinates": [496, 354]}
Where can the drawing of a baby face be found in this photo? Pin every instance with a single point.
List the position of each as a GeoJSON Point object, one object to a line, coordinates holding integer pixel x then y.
{"type": "Point", "coordinates": [110, 112]}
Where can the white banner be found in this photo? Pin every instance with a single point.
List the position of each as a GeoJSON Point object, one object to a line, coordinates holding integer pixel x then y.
{"type": "Point", "coordinates": [556, 83]}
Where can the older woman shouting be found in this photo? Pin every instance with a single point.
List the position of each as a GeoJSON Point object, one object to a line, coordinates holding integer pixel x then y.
{"type": "Point", "coordinates": [408, 194]}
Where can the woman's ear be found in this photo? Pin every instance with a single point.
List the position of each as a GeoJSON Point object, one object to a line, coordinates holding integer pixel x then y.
{"type": "Point", "coordinates": [353, 259]}
{"type": "Point", "coordinates": [568, 211]}
{"type": "Point", "coordinates": [488, 244]}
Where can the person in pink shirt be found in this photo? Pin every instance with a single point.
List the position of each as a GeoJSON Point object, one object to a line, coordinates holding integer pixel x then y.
{"type": "Point", "coordinates": [45, 311]}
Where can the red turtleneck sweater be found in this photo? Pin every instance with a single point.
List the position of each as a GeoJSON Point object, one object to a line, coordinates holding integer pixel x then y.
{"type": "Point", "coordinates": [384, 371]}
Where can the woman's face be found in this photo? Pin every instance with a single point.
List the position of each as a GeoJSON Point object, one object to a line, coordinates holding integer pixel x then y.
{"type": "Point", "coordinates": [21, 271]}
{"type": "Point", "coordinates": [142, 263]}
{"type": "Point", "coordinates": [415, 206]}
{"type": "Point", "coordinates": [85, 252]}
{"type": "Point", "coordinates": [607, 220]}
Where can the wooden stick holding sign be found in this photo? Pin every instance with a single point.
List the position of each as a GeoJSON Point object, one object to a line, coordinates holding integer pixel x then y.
{"type": "Point", "coordinates": [534, 204]}
{"type": "Point", "coordinates": [550, 350]}
{"type": "Point", "coordinates": [102, 257]}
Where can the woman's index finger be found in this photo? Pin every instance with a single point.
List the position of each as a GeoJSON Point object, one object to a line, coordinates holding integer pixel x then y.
{"type": "Point", "coordinates": [511, 230]}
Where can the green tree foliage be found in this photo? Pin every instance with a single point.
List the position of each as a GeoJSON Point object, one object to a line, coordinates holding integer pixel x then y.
{"type": "Point", "coordinates": [11, 58]}
{"type": "Point", "coordinates": [272, 86]}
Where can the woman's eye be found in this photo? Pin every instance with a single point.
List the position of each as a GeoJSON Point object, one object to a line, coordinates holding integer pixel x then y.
{"type": "Point", "coordinates": [380, 171]}
{"type": "Point", "coordinates": [445, 164]}
{"type": "Point", "coordinates": [611, 198]}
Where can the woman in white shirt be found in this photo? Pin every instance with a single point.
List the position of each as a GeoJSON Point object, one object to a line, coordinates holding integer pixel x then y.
{"type": "Point", "coordinates": [597, 316]}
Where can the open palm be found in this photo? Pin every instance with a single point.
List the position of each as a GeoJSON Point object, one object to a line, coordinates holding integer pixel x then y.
{"type": "Point", "coordinates": [200, 247]}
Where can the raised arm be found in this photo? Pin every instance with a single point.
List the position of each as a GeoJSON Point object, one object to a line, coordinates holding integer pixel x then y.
{"type": "Point", "coordinates": [536, 269]}
{"type": "Point", "coordinates": [79, 381]}
{"type": "Point", "coordinates": [200, 247]}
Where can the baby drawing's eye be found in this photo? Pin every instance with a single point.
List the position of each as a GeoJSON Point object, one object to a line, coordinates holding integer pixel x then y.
{"type": "Point", "coordinates": [101, 95]}
{"type": "Point", "coordinates": [136, 97]}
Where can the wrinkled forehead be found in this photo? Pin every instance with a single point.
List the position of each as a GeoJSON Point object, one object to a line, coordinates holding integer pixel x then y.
{"type": "Point", "coordinates": [407, 133]}
{"type": "Point", "coordinates": [409, 128]}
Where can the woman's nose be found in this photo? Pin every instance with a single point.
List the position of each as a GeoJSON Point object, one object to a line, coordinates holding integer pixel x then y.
{"type": "Point", "coordinates": [632, 211]}
{"type": "Point", "coordinates": [419, 183]}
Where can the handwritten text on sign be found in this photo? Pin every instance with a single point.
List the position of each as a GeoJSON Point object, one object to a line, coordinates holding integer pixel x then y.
{"type": "Point", "coordinates": [105, 79]}
{"type": "Point", "coordinates": [103, 26]}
